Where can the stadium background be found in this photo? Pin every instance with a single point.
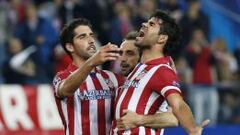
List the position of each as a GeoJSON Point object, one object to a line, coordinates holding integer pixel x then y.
{"type": "Point", "coordinates": [30, 55]}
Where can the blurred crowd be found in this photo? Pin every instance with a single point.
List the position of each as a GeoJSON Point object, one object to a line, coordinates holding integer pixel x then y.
{"type": "Point", "coordinates": [30, 52]}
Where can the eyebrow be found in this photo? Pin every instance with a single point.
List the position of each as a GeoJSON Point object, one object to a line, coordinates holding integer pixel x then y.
{"type": "Point", "coordinates": [83, 34]}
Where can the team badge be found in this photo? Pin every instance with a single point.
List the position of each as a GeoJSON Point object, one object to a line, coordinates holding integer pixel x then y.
{"type": "Point", "coordinates": [109, 83]}
{"type": "Point", "coordinates": [141, 75]}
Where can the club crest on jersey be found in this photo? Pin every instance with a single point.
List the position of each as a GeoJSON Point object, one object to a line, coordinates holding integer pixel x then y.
{"type": "Point", "coordinates": [175, 83]}
{"type": "Point", "coordinates": [56, 81]}
{"type": "Point", "coordinates": [109, 83]}
{"type": "Point", "coordinates": [141, 75]}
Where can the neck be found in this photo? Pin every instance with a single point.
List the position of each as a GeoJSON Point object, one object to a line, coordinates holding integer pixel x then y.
{"type": "Point", "coordinates": [77, 61]}
{"type": "Point", "coordinates": [150, 54]}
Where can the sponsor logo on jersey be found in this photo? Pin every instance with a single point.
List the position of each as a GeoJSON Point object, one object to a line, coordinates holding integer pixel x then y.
{"type": "Point", "coordinates": [95, 94]}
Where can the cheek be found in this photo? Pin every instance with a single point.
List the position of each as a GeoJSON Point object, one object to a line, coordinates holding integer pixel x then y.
{"type": "Point", "coordinates": [133, 61]}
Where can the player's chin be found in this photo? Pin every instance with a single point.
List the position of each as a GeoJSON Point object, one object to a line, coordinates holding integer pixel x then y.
{"type": "Point", "coordinates": [139, 41]}
{"type": "Point", "coordinates": [124, 71]}
{"type": "Point", "coordinates": [92, 52]}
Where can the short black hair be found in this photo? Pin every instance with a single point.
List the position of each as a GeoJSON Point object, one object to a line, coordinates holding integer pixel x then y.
{"type": "Point", "coordinates": [168, 27]}
{"type": "Point", "coordinates": [132, 35]}
{"type": "Point", "coordinates": [67, 33]}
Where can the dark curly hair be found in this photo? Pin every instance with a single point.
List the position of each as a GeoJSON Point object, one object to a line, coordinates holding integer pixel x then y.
{"type": "Point", "coordinates": [67, 33]}
{"type": "Point", "coordinates": [170, 28]}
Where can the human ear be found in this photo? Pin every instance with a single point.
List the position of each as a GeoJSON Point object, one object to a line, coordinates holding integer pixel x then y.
{"type": "Point", "coordinates": [162, 39]}
{"type": "Point", "coordinates": [69, 47]}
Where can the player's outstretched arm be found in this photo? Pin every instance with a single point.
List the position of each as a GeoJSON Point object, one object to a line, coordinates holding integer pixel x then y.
{"type": "Point", "coordinates": [72, 82]}
{"type": "Point", "coordinates": [158, 120]}
{"type": "Point", "coordinates": [184, 115]}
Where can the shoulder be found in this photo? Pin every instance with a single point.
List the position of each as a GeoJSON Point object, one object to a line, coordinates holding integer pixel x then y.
{"type": "Point", "coordinates": [59, 77]}
{"type": "Point", "coordinates": [165, 70]}
{"type": "Point", "coordinates": [165, 75]}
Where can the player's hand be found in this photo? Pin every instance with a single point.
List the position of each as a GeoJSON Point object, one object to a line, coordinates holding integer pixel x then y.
{"type": "Point", "coordinates": [106, 53]}
{"type": "Point", "coordinates": [129, 120]}
{"type": "Point", "coordinates": [200, 128]}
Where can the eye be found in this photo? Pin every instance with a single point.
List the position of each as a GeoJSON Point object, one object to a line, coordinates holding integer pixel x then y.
{"type": "Point", "coordinates": [151, 24]}
{"type": "Point", "coordinates": [130, 53]}
{"type": "Point", "coordinates": [81, 36]}
{"type": "Point", "coordinates": [120, 53]}
{"type": "Point", "coordinates": [92, 35]}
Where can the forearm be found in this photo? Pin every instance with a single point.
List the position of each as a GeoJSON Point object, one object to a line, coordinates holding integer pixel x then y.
{"type": "Point", "coordinates": [185, 117]}
{"type": "Point", "coordinates": [159, 120]}
{"type": "Point", "coordinates": [73, 81]}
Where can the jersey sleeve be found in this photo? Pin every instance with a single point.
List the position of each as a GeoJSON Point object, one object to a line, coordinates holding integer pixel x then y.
{"type": "Point", "coordinates": [58, 79]}
{"type": "Point", "coordinates": [166, 81]}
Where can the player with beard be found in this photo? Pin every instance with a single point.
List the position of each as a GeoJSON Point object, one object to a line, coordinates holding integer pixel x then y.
{"type": "Point", "coordinates": [153, 80]}
{"type": "Point", "coordinates": [84, 93]}
{"type": "Point", "coordinates": [129, 57]}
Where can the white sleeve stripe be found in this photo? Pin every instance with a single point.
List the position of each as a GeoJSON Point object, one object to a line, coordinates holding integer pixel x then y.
{"type": "Point", "coordinates": [167, 88]}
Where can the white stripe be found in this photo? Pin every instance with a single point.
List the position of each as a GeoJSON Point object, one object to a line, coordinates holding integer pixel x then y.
{"type": "Point", "coordinates": [112, 77]}
{"type": "Point", "coordinates": [139, 90]}
{"type": "Point", "coordinates": [117, 111]}
{"type": "Point", "coordinates": [150, 102]}
{"type": "Point", "coordinates": [127, 132]}
{"type": "Point", "coordinates": [77, 117]}
{"type": "Point", "coordinates": [153, 132]}
{"type": "Point", "coordinates": [107, 104]}
{"type": "Point", "coordinates": [65, 113]}
{"type": "Point", "coordinates": [163, 107]}
{"type": "Point", "coordinates": [142, 130]}
{"type": "Point", "coordinates": [162, 132]}
{"type": "Point", "coordinates": [138, 71]}
{"type": "Point", "coordinates": [166, 88]}
{"type": "Point", "coordinates": [92, 108]}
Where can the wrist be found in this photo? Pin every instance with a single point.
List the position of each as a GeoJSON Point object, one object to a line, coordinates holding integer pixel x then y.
{"type": "Point", "coordinates": [192, 131]}
{"type": "Point", "coordinates": [90, 63]}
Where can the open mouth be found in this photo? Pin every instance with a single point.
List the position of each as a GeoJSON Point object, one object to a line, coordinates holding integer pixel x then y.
{"type": "Point", "coordinates": [124, 66]}
{"type": "Point", "coordinates": [140, 34]}
{"type": "Point", "coordinates": [92, 48]}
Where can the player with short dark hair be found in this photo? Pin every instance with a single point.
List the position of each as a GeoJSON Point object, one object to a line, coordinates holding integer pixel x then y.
{"type": "Point", "coordinates": [153, 80]}
{"type": "Point", "coordinates": [84, 93]}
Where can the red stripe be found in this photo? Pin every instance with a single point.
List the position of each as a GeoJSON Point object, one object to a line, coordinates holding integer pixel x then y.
{"type": "Point", "coordinates": [155, 106]}
{"type": "Point", "coordinates": [171, 91]}
{"type": "Point", "coordinates": [85, 117]}
{"type": "Point", "coordinates": [158, 131]}
{"type": "Point", "coordinates": [85, 112]}
{"type": "Point", "coordinates": [100, 109]}
{"type": "Point", "coordinates": [147, 131]}
{"type": "Point", "coordinates": [59, 106]}
{"type": "Point", "coordinates": [141, 105]}
{"type": "Point", "coordinates": [70, 109]}
{"type": "Point", "coordinates": [147, 92]}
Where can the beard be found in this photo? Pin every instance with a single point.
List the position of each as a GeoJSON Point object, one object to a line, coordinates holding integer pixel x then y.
{"type": "Point", "coordinates": [142, 46]}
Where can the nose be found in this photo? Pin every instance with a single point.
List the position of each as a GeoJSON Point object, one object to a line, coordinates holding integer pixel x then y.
{"type": "Point", "coordinates": [123, 58]}
{"type": "Point", "coordinates": [144, 24]}
{"type": "Point", "coordinates": [91, 40]}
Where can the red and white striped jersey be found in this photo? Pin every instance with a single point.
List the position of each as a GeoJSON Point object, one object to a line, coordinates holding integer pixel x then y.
{"type": "Point", "coordinates": [144, 92]}
{"type": "Point", "coordinates": [89, 110]}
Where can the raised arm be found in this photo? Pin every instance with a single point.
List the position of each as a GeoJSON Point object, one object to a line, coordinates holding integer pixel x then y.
{"type": "Point", "coordinates": [72, 82]}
